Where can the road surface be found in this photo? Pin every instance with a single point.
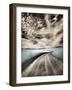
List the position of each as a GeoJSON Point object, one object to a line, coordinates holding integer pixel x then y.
{"type": "Point", "coordinates": [44, 65]}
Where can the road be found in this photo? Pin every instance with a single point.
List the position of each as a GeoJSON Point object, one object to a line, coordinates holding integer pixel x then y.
{"type": "Point", "coordinates": [44, 65]}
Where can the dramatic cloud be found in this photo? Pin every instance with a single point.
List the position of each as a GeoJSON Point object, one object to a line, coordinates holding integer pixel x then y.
{"type": "Point", "coordinates": [41, 30]}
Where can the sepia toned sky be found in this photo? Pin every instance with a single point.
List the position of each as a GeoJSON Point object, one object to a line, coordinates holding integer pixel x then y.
{"type": "Point", "coordinates": [41, 30]}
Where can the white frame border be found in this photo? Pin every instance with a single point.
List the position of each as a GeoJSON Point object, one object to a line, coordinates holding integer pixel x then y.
{"type": "Point", "coordinates": [63, 77]}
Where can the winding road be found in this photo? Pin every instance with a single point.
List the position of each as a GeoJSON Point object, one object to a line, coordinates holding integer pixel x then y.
{"type": "Point", "coordinates": [44, 65]}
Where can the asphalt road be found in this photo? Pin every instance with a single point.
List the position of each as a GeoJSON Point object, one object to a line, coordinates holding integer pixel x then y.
{"type": "Point", "coordinates": [44, 65]}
